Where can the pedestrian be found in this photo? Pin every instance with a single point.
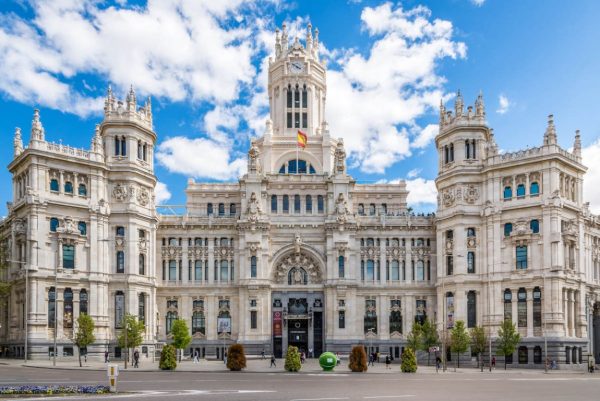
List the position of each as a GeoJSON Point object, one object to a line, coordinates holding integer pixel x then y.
{"type": "Point", "coordinates": [377, 356]}
{"type": "Point", "coordinates": [310, 353]}
{"type": "Point", "coordinates": [106, 359]}
{"type": "Point", "coordinates": [388, 361]}
{"type": "Point", "coordinates": [337, 357]}
{"type": "Point", "coordinates": [493, 362]}
{"type": "Point", "coordinates": [225, 358]}
{"type": "Point", "coordinates": [262, 354]}
{"type": "Point", "coordinates": [591, 363]}
{"type": "Point", "coordinates": [302, 357]}
{"type": "Point", "coordinates": [553, 365]}
{"type": "Point", "coordinates": [136, 359]}
{"type": "Point", "coordinates": [272, 361]}
{"type": "Point", "coordinates": [370, 360]}
{"type": "Point", "coordinates": [438, 362]}
{"type": "Point", "coordinates": [196, 356]}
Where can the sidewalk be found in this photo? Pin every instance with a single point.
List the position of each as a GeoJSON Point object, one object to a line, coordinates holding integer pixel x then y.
{"type": "Point", "coordinates": [311, 366]}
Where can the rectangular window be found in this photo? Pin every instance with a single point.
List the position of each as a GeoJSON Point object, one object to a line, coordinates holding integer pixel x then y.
{"type": "Point", "coordinates": [304, 120]}
{"type": "Point", "coordinates": [421, 314]}
{"type": "Point", "coordinates": [253, 319]}
{"type": "Point", "coordinates": [172, 270]}
{"type": "Point", "coordinates": [449, 265]}
{"type": "Point", "coordinates": [120, 262]}
{"type": "Point", "coordinates": [342, 319]}
{"type": "Point", "coordinates": [296, 120]}
{"type": "Point", "coordinates": [289, 98]}
{"type": "Point", "coordinates": [521, 255]}
{"type": "Point", "coordinates": [253, 261]}
{"type": "Point", "coordinates": [471, 262]}
{"type": "Point", "coordinates": [308, 204]}
{"type": "Point", "coordinates": [304, 98]}
{"type": "Point", "coordinates": [198, 270]}
{"type": "Point", "coordinates": [289, 120]}
{"type": "Point", "coordinates": [320, 205]}
{"type": "Point", "coordinates": [522, 313]}
{"type": "Point", "coordinates": [69, 256]}
{"type": "Point", "coordinates": [341, 268]}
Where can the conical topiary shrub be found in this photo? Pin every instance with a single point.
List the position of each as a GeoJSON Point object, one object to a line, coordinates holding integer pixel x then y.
{"type": "Point", "coordinates": [409, 361]}
{"type": "Point", "coordinates": [292, 359]}
{"type": "Point", "coordinates": [236, 359]}
{"type": "Point", "coordinates": [358, 359]}
{"type": "Point", "coordinates": [167, 358]}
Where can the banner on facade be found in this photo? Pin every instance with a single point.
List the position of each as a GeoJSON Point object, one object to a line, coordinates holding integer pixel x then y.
{"type": "Point", "coordinates": [450, 312]}
{"type": "Point", "coordinates": [277, 324]}
{"type": "Point", "coordinates": [223, 325]}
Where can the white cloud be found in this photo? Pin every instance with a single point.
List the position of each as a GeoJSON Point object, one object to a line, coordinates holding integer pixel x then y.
{"type": "Point", "coordinates": [591, 180]}
{"type": "Point", "coordinates": [161, 193]}
{"type": "Point", "coordinates": [374, 100]}
{"type": "Point", "coordinates": [414, 173]}
{"type": "Point", "coordinates": [478, 3]}
{"type": "Point", "coordinates": [422, 192]}
{"type": "Point", "coordinates": [200, 158]}
{"type": "Point", "coordinates": [425, 136]}
{"type": "Point", "coordinates": [503, 104]}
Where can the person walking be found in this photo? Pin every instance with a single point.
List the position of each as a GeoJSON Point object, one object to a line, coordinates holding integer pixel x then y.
{"type": "Point", "coordinates": [388, 362]}
{"type": "Point", "coordinates": [106, 359]}
{"type": "Point", "coordinates": [262, 354]}
{"type": "Point", "coordinates": [196, 356]}
{"type": "Point", "coordinates": [272, 361]}
{"type": "Point", "coordinates": [136, 359]}
{"type": "Point", "coordinates": [225, 359]}
{"type": "Point", "coordinates": [438, 363]}
{"type": "Point", "coordinates": [371, 357]}
{"type": "Point", "coordinates": [493, 362]}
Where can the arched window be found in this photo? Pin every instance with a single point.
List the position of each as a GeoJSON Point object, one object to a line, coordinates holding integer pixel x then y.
{"type": "Point", "coordinates": [507, 229]}
{"type": "Point", "coordinates": [297, 167]}
{"type": "Point", "coordinates": [521, 256]}
{"type": "Point", "coordinates": [221, 209]}
{"type": "Point", "coordinates": [320, 205]}
{"type": "Point", "coordinates": [471, 262]}
{"type": "Point", "coordinates": [467, 149]}
{"type": "Point", "coordinates": [293, 276]}
{"type": "Point", "coordinates": [420, 270]}
{"type": "Point", "coordinates": [82, 228]}
{"type": "Point", "coordinates": [120, 231]}
{"type": "Point", "coordinates": [198, 323]}
{"type": "Point", "coordinates": [117, 146]}
{"type": "Point", "coordinates": [471, 309]}
{"type": "Point", "coordinates": [232, 210]}
{"type": "Point", "coordinates": [296, 203]}
{"type": "Point", "coordinates": [537, 308]}
{"type": "Point", "coordinates": [361, 209]}
{"type": "Point", "coordinates": [54, 185]}
{"type": "Point", "coordinates": [535, 226]}
{"type": "Point", "coordinates": [82, 190]}
{"type": "Point", "coordinates": [83, 302]}
{"type": "Point", "coordinates": [68, 308]}
{"type": "Point", "coordinates": [523, 357]}
{"type": "Point", "coordinates": [142, 264]}
{"type": "Point", "coordinates": [370, 242]}
{"type": "Point", "coordinates": [372, 209]}
{"type": "Point", "coordinates": [209, 209]}
{"type": "Point", "coordinates": [170, 319]}
{"type": "Point", "coordinates": [308, 204]}
{"type": "Point", "coordinates": [139, 150]}
{"type": "Point", "coordinates": [470, 232]}
{"type": "Point", "coordinates": [253, 263]}
{"type": "Point", "coordinates": [370, 319]}
{"type": "Point", "coordinates": [123, 147]}
{"type": "Point", "coordinates": [449, 310]}
{"type": "Point", "coordinates": [51, 307]}
{"type": "Point", "coordinates": [286, 204]}
{"type": "Point", "coordinates": [68, 256]}
{"type": "Point", "coordinates": [395, 270]}
{"type": "Point", "coordinates": [68, 187]}
{"type": "Point", "coordinates": [142, 307]}
{"type": "Point", "coordinates": [120, 262]}
{"type": "Point", "coordinates": [384, 209]}
{"type": "Point", "coordinates": [520, 190]}
{"type": "Point", "coordinates": [534, 188]}
{"type": "Point", "coordinates": [396, 316]}
{"type": "Point", "coordinates": [273, 203]}
{"type": "Point", "coordinates": [198, 270]}
{"type": "Point", "coordinates": [119, 309]}
{"type": "Point", "coordinates": [395, 242]}
{"type": "Point", "coordinates": [507, 192]}
{"type": "Point", "coordinates": [341, 266]}
{"type": "Point", "coordinates": [508, 305]}
{"type": "Point", "coordinates": [370, 270]}
{"type": "Point", "coordinates": [224, 271]}
{"type": "Point", "coordinates": [53, 224]}
{"type": "Point", "coordinates": [522, 308]}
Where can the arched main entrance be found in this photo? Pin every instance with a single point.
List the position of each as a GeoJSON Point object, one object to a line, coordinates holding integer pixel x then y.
{"type": "Point", "coordinates": [596, 332]}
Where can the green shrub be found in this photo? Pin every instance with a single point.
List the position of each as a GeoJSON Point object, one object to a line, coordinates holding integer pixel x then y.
{"type": "Point", "coordinates": [409, 361]}
{"type": "Point", "coordinates": [236, 359]}
{"type": "Point", "coordinates": [292, 359]}
{"type": "Point", "coordinates": [358, 359]}
{"type": "Point", "coordinates": [167, 358]}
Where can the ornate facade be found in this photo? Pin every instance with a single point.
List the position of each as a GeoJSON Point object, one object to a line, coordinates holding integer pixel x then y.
{"type": "Point", "coordinates": [296, 252]}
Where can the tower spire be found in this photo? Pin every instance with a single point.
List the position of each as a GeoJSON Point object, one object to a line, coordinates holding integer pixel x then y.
{"type": "Point", "coordinates": [577, 144]}
{"type": "Point", "coordinates": [550, 134]}
{"type": "Point", "coordinates": [37, 129]}
{"type": "Point", "coordinates": [316, 44]}
{"type": "Point", "coordinates": [18, 142]}
{"type": "Point", "coordinates": [284, 37]}
{"type": "Point", "coordinates": [131, 100]}
{"type": "Point", "coordinates": [277, 43]}
{"type": "Point", "coordinates": [479, 106]}
{"type": "Point", "coordinates": [309, 38]}
{"type": "Point", "coordinates": [442, 113]}
{"type": "Point", "coordinates": [97, 141]}
{"type": "Point", "coordinates": [458, 105]}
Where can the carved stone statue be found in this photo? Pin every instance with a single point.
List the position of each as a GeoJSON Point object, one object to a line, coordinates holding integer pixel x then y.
{"type": "Point", "coordinates": [297, 243]}
{"type": "Point", "coordinates": [254, 210]}
{"type": "Point", "coordinates": [253, 162]}
{"type": "Point", "coordinates": [340, 157]}
{"type": "Point", "coordinates": [120, 192]}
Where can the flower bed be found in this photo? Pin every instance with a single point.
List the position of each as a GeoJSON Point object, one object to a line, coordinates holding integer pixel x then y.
{"type": "Point", "coordinates": [4, 390]}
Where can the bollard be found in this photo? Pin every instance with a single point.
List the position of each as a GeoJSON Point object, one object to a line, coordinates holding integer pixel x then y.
{"type": "Point", "coordinates": [112, 373]}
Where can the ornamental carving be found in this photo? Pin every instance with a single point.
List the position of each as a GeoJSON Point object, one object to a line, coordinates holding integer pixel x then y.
{"type": "Point", "coordinates": [341, 209]}
{"type": "Point", "coordinates": [340, 157]}
{"type": "Point", "coordinates": [120, 192]}
{"type": "Point", "coordinates": [143, 197]}
{"type": "Point", "coordinates": [253, 162]}
{"type": "Point", "coordinates": [298, 268]}
{"type": "Point", "coordinates": [471, 194]}
{"type": "Point", "coordinates": [448, 198]}
{"type": "Point", "coordinates": [20, 226]}
{"type": "Point", "coordinates": [253, 210]}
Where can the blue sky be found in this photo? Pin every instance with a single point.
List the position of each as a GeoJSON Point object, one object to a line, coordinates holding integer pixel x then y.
{"type": "Point", "coordinates": [203, 64]}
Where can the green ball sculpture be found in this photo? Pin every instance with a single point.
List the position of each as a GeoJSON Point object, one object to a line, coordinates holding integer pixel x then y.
{"type": "Point", "coordinates": [328, 361]}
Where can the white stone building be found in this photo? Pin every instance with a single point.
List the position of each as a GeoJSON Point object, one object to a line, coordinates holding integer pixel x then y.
{"type": "Point", "coordinates": [297, 252]}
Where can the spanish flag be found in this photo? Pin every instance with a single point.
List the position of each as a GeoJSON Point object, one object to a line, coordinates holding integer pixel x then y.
{"type": "Point", "coordinates": [302, 139]}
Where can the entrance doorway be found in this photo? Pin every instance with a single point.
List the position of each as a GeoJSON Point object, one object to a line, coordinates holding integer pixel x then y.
{"type": "Point", "coordinates": [298, 334]}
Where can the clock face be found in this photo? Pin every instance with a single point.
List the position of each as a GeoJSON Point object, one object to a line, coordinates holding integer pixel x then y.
{"type": "Point", "coordinates": [296, 67]}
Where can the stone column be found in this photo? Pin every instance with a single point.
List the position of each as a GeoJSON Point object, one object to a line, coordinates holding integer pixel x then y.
{"type": "Point", "coordinates": [571, 297]}
{"type": "Point", "coordinates": [529, 313]}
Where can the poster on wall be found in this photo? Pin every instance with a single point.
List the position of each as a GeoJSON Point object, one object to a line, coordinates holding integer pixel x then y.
{"type": "Point", "coordinates": [277, 324]}
{"type": "Point", "coordinates": [224, 325]}
{"type": "Point", "coordinates": [450, 312]}
{"type": "Point", "coordinates": [119, 310]}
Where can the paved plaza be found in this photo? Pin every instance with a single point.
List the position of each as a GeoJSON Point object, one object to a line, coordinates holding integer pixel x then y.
{"type": "Point", "coordinates": [209, 380]}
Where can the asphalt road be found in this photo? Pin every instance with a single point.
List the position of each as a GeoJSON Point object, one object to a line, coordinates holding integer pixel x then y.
{"type": "Point", "coordinates": [246, 386]}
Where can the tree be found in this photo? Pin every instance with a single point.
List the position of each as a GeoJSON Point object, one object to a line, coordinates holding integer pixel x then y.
{"type": "Point", "coordinates": [292, 359]}
{"type": "Point", "coordinates": [135, 333]}
{"type": "Point", "coordinates": [236, 359]}
{"type": "Point", "coordinates": [358, 359]}
{"type": "Point", "coordinates": [459, 339]}
{"type": "Point", "coordinates": [508, 338]}
{"type": "Point", "coordinates": [478, 343]}
{"type": "Point", "coordinates": [85, 333]}
{"type": "Point", "coordinates": [413, 340]}
{"type": "Point", "coordinates": [181, 336]}
{"type": "Point", "coordinates": [409, 361]}
{"type": "Point", "coordinates": [429, 337]}
{"type": "Point", "coordinates": [167, 358]}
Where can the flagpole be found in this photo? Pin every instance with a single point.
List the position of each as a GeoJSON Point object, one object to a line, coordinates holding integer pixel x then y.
{"type": "Point", "coordinates": [297, 150]}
